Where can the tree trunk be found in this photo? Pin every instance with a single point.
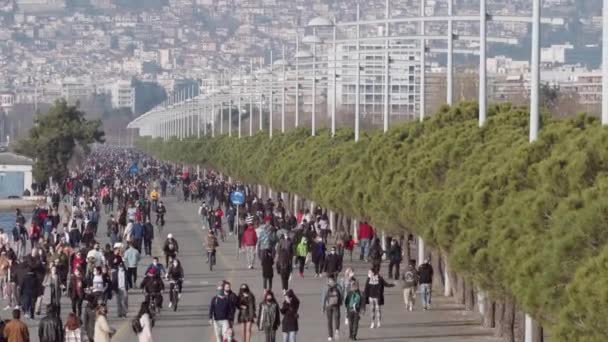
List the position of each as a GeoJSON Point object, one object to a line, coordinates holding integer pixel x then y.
{"type": "Point", "coordinates": [436, 263]}
{"type": "Point", "coordinates": [489, 313]}
{"type": "Point", "coordinates": [407, 248]}
{"type": "Point", "coordinates": [509, 322]}
{"type": "Point", "coordinates": [460, 290]}
{"type": "Point", "coordinates": [519, 326]}
{"type": "Point", "coordinates": [469, 296]}
{"type": "Point", "coordinates": [499, 318]}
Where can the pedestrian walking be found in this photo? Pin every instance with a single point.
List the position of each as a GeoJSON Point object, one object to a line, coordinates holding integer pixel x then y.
{"type": "Point", "coordinates": [375, 254]}
{"type": "Point", "coordinates": [366, 233]}
{"type": "Point", "coordinates": [120, 286]}
{"type": "Point", "coordinates": [148, 237]}
{"type": "Point", "coordinates": [103, 331]}
{"type": "Point", "coordinates": [354, 306]}
{"type": "Point", "coordinates": [331, 300]}
{"type": "Point", "coordinates": [333, 263]}
{"type": "Point", "coordinates": [374, 295]}
{"type": "Point", "coordinates": [15, 330]}
{"type": "Point", "coordinates": [289, 310]}
{"type": "Point", "coordinates": [301, 253]}
{"type": "Point", "coordinates": [90, 316]}
{"type": "Point", "coordinates": [425, 279]}
{"type": "Point", "coordinates": [318, 256]}
{"type": "Point", "coordinates": [131, 259]}
{"type": "Point", "coordinates": [249, 242]}
{"type": "Point", "coordinates": [50, 328]}
{"type": "Point", "coordinates": [246, 309]}
{"type": "Point", "coordinates": [76, 292]}
{"type": "Point", "coordinates": [284, 268]}
{"type": "Point", "coordinates": [221, 313]}
{"type": "Point", "coordinates": [269, 317]}
{"type": "Point", "coordinates": [72, 330]}
{"type": "Point", "coordinates": [394, 257]}
{"type": "Point", "coordinates": [410, 282]}
{"type": "Point", "coordinates": [145, 335]}
{"type": "Point", "coordinates": [267, 270]}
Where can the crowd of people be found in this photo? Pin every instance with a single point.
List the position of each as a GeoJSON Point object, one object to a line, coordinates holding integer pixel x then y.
{"type": "Point", "coordinates": [65, 258]}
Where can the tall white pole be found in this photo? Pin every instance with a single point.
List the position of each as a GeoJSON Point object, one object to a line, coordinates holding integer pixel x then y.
{"type": "Point", "coordinates": [261, 109]}
{"type": "Point", "coordinates": [314, 89]}
{"type": "Point", "coordinates": [450, 66]}
{"type": "Point", "coordinates": [251, 88]}
{"type": "Point", "coordinates": [213, 116]}
{"type": "Point", "coordinates": [387, 60]}
{"type": "Point", "coordinates": [221, 116]}
{"type": "Point", "coordinates": [358, 78]}
{"type": "Point", "coordinates": [271, 97]}
{"type": "Point", "coordinates": [483, 22]}
{"type": "Point", "coordinates": [535, 71]}
{"type": "Point", "coordinates": [283, 93]}
{"type": "Point", "coordinates": [297, 118]}
{"type": "Point", "coordinates": [605, 64]}
{"type": "Point", "coordinates": [422, 89]}
{"type": "Point", "coordinates": [335, 65]}
{"type": "Point", "coordinates": [239, 92]}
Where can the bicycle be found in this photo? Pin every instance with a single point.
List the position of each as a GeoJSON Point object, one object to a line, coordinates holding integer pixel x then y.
{"type": "Point", "coordinates": [173, 294]}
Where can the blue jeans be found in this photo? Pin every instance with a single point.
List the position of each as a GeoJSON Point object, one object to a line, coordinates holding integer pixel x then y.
{"type": "Point", "coordinates": [426, 292]}
{"type": "Point", "coordinates": [290, 336]}
{"type": "Point", "coordinates": [364, 249]}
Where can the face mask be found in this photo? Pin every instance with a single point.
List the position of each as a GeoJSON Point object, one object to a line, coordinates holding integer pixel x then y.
{"type": "Point", "coordinates": [268, 299]}
{"type": "Point", "coordinates": [174, 264]}
{"type": "Point", "coordinates": [155, 263]}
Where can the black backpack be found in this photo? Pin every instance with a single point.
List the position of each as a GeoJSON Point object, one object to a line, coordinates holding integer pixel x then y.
{"type": "Point", "coordinates": [136, 325]}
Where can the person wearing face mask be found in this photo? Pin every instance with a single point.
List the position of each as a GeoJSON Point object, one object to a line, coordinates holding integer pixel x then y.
{"type": "Point", "coordinates": [221, 313]}
{"type": "Point", "coordinates": [98, 255]}
{"type": "Point", "coordinates": [289, 310]}
{"type": "Point", "coordinates": [331, 300]}
{"type": "Point", "coordinates": [103, 331]}
{"type": "Point", "coordinates": [269, 317]}
{"type": "Point", "coordinates": [76, 292]}
{"type": "Point", "coordinates": [158, 268]}
{"type": "Point", "coordinates": [301, 252]}
{"type": "Point", "coordinates": [333, 263]}
{"type": "Point", "coordinates": [374, 295]}
{"type": "Point", "coordinates": [246, 309]}
{"type": "Point", "coordinates": [176, 275]}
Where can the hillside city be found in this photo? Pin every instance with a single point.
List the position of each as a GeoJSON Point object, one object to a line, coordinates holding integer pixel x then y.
{"type": "Point", "coordinates": [122, 50]}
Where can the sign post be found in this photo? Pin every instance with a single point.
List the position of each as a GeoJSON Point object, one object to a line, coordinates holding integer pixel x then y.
{"type": "Point", "coordinates": [237, 198]}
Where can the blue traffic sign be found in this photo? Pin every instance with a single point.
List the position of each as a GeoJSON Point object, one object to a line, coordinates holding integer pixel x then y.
{"type": "Point", "coordinates": [237, 198]}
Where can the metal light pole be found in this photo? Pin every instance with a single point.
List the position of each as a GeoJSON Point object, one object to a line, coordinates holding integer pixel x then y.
{"type": "Point", "coordinates": [387, 57]}
{"type": "Point", "coordinates": [535, 72]}
{"type": "Point", "coordinates": [239, 91]}
{"type": "Point", "coordinates": [314, 87]}
{"type": "Point", "coordinates": [483, 22]}
{"type": "Point", "coordinates": [297, 118]}
{"type": "Point", "coordinates": [605, 64]}
{"type": "Point", "coordinates": [450, 63]}
{"type": "Point", "coordinates": [422, 65]}
{"type": "Point", "coordinates": [271, 98]}
{"type": "Point", "coordinates": [335, 102]}
{"type": "Point", "coordinates": [283, 93]}
{"type": "Point", "coordinates": [358, 80]}
{"type": "Point", "coordinates": [250, 88]}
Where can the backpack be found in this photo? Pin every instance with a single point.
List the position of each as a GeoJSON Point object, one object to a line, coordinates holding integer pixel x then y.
{"type": "Point", "coordinates": [136, 325]}
{"type": "Point", "coordinates": [333, 297]}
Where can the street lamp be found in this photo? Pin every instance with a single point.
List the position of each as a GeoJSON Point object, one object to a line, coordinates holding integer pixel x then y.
{"type": "Point", "coordinates": [313, 40]}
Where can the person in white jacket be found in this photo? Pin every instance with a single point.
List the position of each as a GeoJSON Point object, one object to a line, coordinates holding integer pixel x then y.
{"type": "Point", "coordinates": [146, 323]}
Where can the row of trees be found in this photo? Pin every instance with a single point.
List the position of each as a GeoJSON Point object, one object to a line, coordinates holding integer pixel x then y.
{"type": "Point", "coordinates": [527, 223]}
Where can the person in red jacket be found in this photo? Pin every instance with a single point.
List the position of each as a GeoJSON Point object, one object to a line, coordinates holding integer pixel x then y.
{"type": "Point", "coordinates": [249, 241]}
{"type": "Point", "coordinates": [366, 234]}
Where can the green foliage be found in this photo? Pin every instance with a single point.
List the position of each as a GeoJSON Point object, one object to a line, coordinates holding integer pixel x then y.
{"type": "Point", "coordinates": [55, 136]}
{"type": "Point", "coordinates": [524, 221]}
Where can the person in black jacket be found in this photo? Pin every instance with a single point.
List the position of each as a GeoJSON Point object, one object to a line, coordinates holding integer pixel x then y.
{"type": "Point", "coordinates": [289, 310]}
{"type": "Point", "coordinates": [50, 328]}
{"type": "Point", "coordinates": [395, 257]}
{"type": "Point", "coordinates": [425, 279]}
{"type": "Point", "coordinates": [333, 263]}
{"type": "Point", "coordinates": [221, 313]}
{"type": "Point", "coordinates": [148, 237]}
{"type": "Point", "coordinates": [374, 295]}
{"type": "Point", "coordinates": [267, 271]}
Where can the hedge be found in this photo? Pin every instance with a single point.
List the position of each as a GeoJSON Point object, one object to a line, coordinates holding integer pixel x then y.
{"type": "Point", "coordinates": [520, 220]}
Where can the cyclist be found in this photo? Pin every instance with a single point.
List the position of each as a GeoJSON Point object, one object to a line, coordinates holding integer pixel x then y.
{"type": "Point", "coordinates": [170, 248]}
{"type": "Point", "coordinates": [212, 245]}
{"type": "Point", "coordinates": [158, 267]}
{"type": "Point", "coordinates": [161, 210]}
{"type": "Point", "coordinates": [175, 275]}
{"type": "Point", "coordinates": [154, 197]}
{"type": "Point", "coordinates": [217, 222]}
{"type": "Point", "coordinates": [153, 286]}
{"type": "Point", "coordinates": [203, 211]}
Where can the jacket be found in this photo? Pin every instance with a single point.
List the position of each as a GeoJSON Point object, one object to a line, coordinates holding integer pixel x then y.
{"type": "Point", "coordinates": [267, 262]}
{"type": "Point", "coordinates": [366, 232]}
{"type": "Point", "coordinates": [131, 257]}
{"type": "Point", "coordinates": [290, 314]}
{"type": "Point", "coordinates": [351, 303]}
{"type": "Point", "coordinates": [268, 316]}
{"type": "Point", "coordinates": [50, 329]}
{"type": "Point", "coordinates": [302, 249]}
{"type": "Point", "coordinates": [137, 233]}
{"type": "Point", "coordinates": [250, 238]}
{"type": "Point", "coordinates": [246, 308]}
{"type": "Point", "coordinates": [374, 288]}
{"type": "Point", "coordinates": [333, 263]}
{"type": "Point", "coordinates": [325, 296]}
{"type": "Point", "coordinates": [425, 274]}
{"type": "Point", "coordinates": [394, 253]}
{"type": "Point", "coordinates": [221, 309]}
{"type": "Point", "coordinates": [16, 331]}
{"type": "Point", "coordinates": [103, 331]}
